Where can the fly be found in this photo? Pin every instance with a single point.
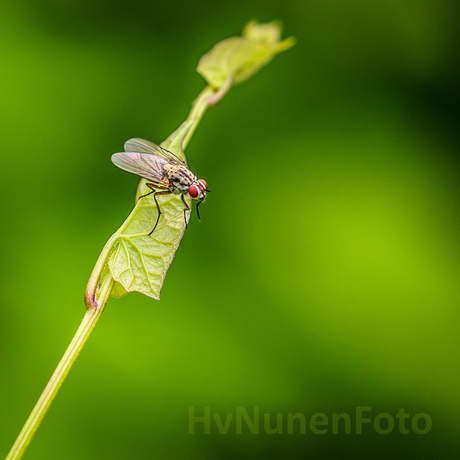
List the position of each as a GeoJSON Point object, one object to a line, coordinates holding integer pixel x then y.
{"type": "Point", "coordinates": [167, 174]}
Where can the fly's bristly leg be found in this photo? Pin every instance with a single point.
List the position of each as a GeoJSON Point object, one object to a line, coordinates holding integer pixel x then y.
{"type": "Point", "coordinates": [165, 192]}
{"type": "Point", "coordinates": [152, 190]}
{"type": "Point", "coordinates": [199, 202]}
{"type": "Point", "coordinates": [187, 208]}
{"type": "Point", "coordinates": [198, 212]}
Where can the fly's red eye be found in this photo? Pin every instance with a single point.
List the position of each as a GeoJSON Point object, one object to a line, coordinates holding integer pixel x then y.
{"type": "Point", "coordinates": [203, 182]}
{"type": "Point", "coordinates": [193, 191]}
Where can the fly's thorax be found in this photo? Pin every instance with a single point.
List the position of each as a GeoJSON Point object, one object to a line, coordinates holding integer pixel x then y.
{"type": "Point", "coordinates": [180, 177]}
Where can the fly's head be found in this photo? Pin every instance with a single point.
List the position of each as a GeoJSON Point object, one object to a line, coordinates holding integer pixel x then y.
{"type": "Point", "coordinates": [198, 190]}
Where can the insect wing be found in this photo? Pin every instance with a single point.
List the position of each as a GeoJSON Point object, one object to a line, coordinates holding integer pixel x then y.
{"type": "Point", "coordinates": [137, 145]}
{"type": "Point", "coordinates": [146, 165]}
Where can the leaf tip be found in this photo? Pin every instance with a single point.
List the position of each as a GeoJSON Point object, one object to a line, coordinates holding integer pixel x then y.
{"type": "Point", "coordinates": [238, 58]}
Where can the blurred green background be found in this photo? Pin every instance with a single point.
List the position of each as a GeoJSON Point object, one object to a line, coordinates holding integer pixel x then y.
{"type": "Point", "coordinates": [325, 272]}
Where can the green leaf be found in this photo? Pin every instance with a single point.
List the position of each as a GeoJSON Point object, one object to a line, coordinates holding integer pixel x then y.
{"type": "Point", "coordinates": [118, 291]}
{"type": "Point", "coordinates": [235, 59]}
{"type": "Point", "coordinates": [139, 261]}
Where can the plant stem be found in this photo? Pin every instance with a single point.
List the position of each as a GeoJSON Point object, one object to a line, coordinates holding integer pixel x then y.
{"type": "Point", "coordinates": [93, 313]}
{"type": "Point", "coordinates": [200, 104]}
{"type": "Point", "coordinates": [94, 310]}
{"type": "Point", "coordinates": [95, 278]}
{"type": "Point", "coordinates": [240, 57]}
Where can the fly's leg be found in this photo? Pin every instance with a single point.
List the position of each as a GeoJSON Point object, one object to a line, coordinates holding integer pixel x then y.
{"type": "Point", "coordinates": [152, 188]}
{"type": "Point", "coordinates": [187, 207]}
{"type": "Point", "coordinates": [147, 194]}
{"type": "Point", "coordinates": [199, 202]}
{"type": "Point", "coordinates": [166, 192]}
{"type": "Point", "coordinates": [198, 212]}
{"type": "Point", "coordinates": [155, 194]}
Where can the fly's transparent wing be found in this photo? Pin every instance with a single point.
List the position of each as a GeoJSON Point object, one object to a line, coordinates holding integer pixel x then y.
{"type": "Point", "coordinates": [138, 145]}
{"type": "Point", "coordinates": [146, 165]}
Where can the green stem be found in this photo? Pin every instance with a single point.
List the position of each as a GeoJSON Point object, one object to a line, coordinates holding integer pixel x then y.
{"type": "Point", "coordinates": [224, 89]}
{"type": "Point", "coordinates": [200, 104]}
{"type": "Point", "coordinates": [93, 313]}
{"type": "Point", "coordinates": [99, 288]}
{"type": "Point", "coordinates": [94, 309]}
{"type": "Point", "coordinates": [95, 278]}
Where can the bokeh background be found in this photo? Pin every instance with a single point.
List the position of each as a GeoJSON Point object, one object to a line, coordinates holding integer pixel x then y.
{"type": "Point", "coordinates": [325, 272]}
